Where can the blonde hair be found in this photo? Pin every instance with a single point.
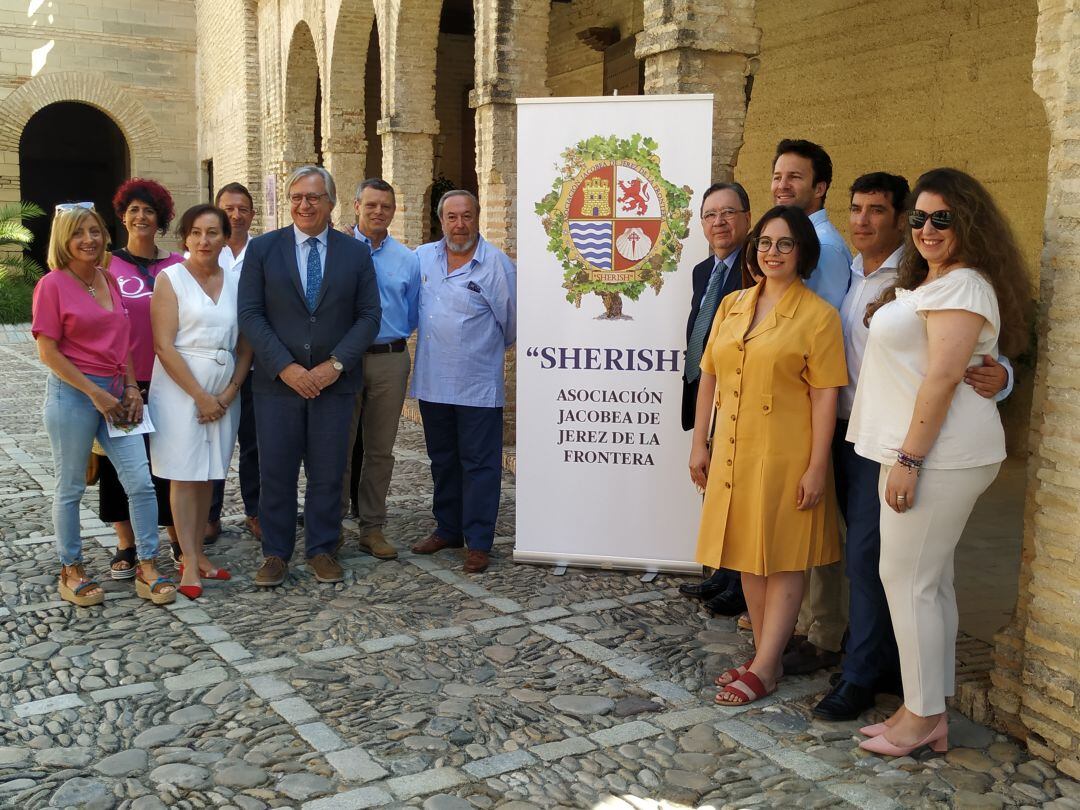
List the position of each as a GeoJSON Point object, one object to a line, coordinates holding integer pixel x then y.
{"type": "Point", "coordinates": [65, 223]}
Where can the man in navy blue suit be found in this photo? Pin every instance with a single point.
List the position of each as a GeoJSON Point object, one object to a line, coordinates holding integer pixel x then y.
{"type": "Point", "coordinates": [309, 305]}
{"type": "Point", "coordinates": [725, 218]}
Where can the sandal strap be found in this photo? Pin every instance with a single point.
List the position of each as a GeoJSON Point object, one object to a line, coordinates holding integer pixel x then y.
{"type": "Point", "coordinates": [88, 584]}
{"type": "Point", "coordinates": [126, 555]}
{"type": "Point", "coordinates": [755, 684]}
{"type": "Point", "coordinates": [159, 582]}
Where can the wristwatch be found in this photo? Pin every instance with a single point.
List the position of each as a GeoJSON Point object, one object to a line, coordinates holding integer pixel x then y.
{"type": "Point", "coordinates": [337, 364]}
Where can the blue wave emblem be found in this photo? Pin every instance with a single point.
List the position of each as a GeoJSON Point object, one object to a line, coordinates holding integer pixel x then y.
{"type": "Point", "coordinates": [593, 241]}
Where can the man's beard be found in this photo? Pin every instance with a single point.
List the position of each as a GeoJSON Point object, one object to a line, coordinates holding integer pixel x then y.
{"type": "Point", "coordinates": [461, 247]}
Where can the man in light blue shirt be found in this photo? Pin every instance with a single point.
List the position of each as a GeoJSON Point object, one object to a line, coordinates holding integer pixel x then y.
{"type": "Point", "coordinates": [468, 318]}
{"type": "Point", "coordinates": [802, 174]}
{"type": "Point", "coordinates": [386, 367]}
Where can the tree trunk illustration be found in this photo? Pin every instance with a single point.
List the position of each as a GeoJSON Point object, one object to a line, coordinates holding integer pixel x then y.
{"type": "Point", "coordinates": [612, 304]}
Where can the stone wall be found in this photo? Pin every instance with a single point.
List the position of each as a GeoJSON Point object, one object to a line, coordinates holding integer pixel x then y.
{"type": "Point", "coordinates": [575, 69]}
{"type": "Point", "coordinates": [135, 65]}
{"type": "Point", "coordinates": [903, 87]}
{"type": "Point", "coordinates": [1036, 681]}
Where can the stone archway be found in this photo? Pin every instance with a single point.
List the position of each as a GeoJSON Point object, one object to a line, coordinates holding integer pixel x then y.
{"type": "Point", "coordinates": [346, 114]}
{"type": "Point", "coordinates": [303, 91]}
{"type": "Point", "coordinates": [123, 108]}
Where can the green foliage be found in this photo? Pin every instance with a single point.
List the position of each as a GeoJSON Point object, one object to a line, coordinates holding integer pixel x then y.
{"type": "Point", "coordinates": [641, 150]}
{"type": "Point", "coordinates": [15, 238]}
{"type": "Point", "coordinates": [15, 299]}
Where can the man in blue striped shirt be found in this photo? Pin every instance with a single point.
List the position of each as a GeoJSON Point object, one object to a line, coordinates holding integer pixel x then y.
{"type": "Point", "coordinates": [468, 318]}
{"type": "Point", "coordinates": [386, 367]}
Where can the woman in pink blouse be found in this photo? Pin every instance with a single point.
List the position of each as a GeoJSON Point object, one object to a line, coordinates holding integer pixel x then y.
{"type": "Point", "coordinates": [83, 335]}
{"type": "Point", "coordinates": [146, 209]}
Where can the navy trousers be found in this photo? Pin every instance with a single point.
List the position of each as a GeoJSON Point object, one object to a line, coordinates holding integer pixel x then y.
{"type": "Point", "coordinates": [464, 444]}
{"type": "Point", "coordinates": [293, 431]}
{"type": "Point", "coordinates": [870, 653]}
{"type": "Point", "coordinates": [249, 459]}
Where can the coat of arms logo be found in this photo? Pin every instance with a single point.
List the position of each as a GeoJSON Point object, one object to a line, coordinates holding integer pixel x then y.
{"type": "Point", "coordinates": [613, 221]}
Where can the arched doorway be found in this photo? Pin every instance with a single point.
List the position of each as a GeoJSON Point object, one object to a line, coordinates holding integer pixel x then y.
{"type": "Point", "coordinates": [373, 105]}
{"type": "Point", "coordinates": [70, 152]}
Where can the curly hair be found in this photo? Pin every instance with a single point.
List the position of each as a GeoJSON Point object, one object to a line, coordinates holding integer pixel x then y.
{"type": "Point", "coordinates": [984, 242]}
{"type": "Point", "coordinates": [150, 192]}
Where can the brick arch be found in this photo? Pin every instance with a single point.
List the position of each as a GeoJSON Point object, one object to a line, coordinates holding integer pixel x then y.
{"type": "Point", "coordinates": [410, 40]}
{"type": "Point", "coordinates": [301, 80]}
{"type": "Point", "coordinates": [139, 129]}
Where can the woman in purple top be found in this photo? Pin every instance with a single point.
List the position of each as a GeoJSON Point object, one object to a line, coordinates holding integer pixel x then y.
{"type": "Point", "coordinates": [146, 209]}
{"type": "Point", "coordinates": [83, 336]}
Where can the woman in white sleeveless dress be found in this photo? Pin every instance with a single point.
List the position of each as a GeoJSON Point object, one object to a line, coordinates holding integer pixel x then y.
{"type": "Point", "coordinates": [201, 361]}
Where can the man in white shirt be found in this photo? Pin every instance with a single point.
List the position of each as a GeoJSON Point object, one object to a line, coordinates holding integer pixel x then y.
{"type": "Point", "coordinates": [235, 200]}
{"type": "Point", "coordinates": [871, 664]}
{"type": "Point", "coordinates": [802, 174]}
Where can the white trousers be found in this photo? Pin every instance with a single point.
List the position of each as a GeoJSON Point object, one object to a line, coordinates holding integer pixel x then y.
{"type": "Point", "coordinates": [916, 569]}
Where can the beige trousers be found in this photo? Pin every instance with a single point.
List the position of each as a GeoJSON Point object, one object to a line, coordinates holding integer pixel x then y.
{"type": "Point", "coordinates": [917, 571]}
{"type": "Point", "coordinates": [377, 413]}
{"type": "Point", "coordinates": [823, 616]}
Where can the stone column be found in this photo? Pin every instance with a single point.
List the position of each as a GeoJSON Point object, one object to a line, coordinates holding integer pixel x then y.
{"type": "Point", "coordinates": [407, 160]}
{"type": "Point", "coordinates": [704, 47]}
{"type": "Point", "coordinates": [1036, 685]}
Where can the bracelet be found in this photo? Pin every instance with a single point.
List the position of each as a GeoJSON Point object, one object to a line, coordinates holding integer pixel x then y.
{"type": "Point", "coordinates": [132, 385]}
{"type": "Point", "coordinates": [911, 462]}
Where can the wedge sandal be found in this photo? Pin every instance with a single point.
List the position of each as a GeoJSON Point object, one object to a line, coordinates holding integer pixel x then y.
{"type": "Point", "coordinates": [77, 595]}
{"type": "Point", "coordinates": [155, 592]}
{"type": "Point", "coordinates": [123, 555]}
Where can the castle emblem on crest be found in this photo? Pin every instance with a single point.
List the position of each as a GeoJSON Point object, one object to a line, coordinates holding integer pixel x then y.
{"type": "Point", "coordinates": [614, 222]}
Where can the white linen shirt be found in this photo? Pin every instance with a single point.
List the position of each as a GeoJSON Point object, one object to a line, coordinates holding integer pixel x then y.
{"type": "Point", "coordinates": [228, 262]}
{"type": "Point", "coordinates": [895, 365]}
{"type": "Point", "coordinates": [863, 291]}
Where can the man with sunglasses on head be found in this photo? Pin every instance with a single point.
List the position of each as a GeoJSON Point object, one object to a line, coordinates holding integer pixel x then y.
{"type": "Point", "coordinates": [871, 663]}
{"type": "Point", "coordinates": [309, 305]}
{"type": "Point", "coordinates": [725, 220]}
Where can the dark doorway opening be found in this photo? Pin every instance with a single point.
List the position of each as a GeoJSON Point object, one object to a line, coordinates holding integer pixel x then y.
{"type": "Point", "coordinates": [70, 152]}
{"type": "Point", "coordinates": [373, 105]}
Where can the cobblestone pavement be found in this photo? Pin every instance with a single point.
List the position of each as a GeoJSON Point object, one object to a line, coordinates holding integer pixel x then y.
{"type": "Point", "coordinates": [410, 684]}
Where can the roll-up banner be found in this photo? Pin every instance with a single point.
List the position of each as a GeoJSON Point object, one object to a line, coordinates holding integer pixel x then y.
{"type": "Point", "coordinates": [608, 235]}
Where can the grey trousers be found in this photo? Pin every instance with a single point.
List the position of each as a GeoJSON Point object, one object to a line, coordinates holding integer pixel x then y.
{"type": "Point", "coordinates": [376, 415]}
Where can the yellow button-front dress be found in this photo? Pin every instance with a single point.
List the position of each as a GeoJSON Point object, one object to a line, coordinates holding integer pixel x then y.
{"type": "Point", "coordinates": [762, 439]}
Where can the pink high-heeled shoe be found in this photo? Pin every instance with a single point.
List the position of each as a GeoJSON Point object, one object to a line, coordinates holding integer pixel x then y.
{"type": "Point", "coordinates": [874, 730]}
{"type": "Point", "coordinates": [937, 739]}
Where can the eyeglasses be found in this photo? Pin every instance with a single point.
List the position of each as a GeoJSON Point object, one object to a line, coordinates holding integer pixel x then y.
{"type": "Point", "coordinates": [312, 199]}
{"type": "Point", "coordinates": [725, 214]}
{"type": "Point", "coordinates": [783, 245]}
{"type": "Point", "coordinates": [941, 220]}
{"type": "Point", "coordinates": [75, 206]}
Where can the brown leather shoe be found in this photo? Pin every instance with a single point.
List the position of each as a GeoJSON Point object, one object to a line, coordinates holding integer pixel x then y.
{"type": "Point", "coordinates": [326, 568]}
{"type": "Point", "coordinates": [807, 658]}
{"type": "Point", "coordinates": [375, 544]}
{"type": "Point", "coordinates": [252, 524]}
{"type": "Point", "coordinates": [212, 532]}
{"type": "Point", "coordinates": [433, 543]}
{"type": "Point", "coordinates": [476, 561]}
{"type": "Point", "coordinates": [272, 572]}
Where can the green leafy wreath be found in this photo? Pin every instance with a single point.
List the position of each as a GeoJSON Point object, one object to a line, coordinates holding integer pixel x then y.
{"type": "Point", "coordinates": [576, 281]}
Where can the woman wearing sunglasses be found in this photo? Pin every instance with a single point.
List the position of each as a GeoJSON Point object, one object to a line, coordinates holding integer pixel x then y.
{"type": "Point", "coordinates": [772, 369]}
{"type": "Point", "coordinates": [82, 332]}
{"type": "Point", "coordinates": [961, 292]}
{"type": "Point", "coordinates": [146, 209]}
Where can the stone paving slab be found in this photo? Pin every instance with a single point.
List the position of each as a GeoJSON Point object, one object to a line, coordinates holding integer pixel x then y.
{"type": "Point", "coordinates": [412, 683]}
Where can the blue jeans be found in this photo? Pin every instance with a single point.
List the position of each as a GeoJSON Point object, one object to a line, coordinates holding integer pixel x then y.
{"type": "Point", "coordinates": [73, 423]}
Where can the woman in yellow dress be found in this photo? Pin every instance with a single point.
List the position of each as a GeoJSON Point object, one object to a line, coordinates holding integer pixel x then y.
{"type": "Point", "coordinates": [772, 368]}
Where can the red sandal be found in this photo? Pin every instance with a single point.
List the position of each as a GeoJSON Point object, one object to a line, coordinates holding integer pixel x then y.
{"type": "Point", "coordinates": [733, 674]}
{"type": "Point", "coordinates": [754, 690]}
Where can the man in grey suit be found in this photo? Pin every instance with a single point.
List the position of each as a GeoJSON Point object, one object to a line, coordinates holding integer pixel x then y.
{"type": "Point", "coordinates": [309, 305]}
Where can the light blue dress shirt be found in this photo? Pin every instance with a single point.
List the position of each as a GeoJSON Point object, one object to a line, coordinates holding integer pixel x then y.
{"type": "Point", "coordinates": [468, 318]}
{"type": "Point", "coordinates": [833, 272]}
{"type": "Point", "coordinates": [397, 272]}
{"type": "Point", "coordinates": [302, 248]}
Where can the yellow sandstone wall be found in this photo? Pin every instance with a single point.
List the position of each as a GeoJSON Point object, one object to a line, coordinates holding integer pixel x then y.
{"type": "Point", "coordinates": [137, 65]}
{"type": "Point", "coordinates": [575, 69]}
{"type": "Point", "coordinates": [904, 86]}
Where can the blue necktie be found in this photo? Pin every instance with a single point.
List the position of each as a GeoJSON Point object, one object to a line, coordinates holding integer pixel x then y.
{"type": "Point", "coordinates": [703, 322]}
{"type": "Point", "coordinates": [314, 273]}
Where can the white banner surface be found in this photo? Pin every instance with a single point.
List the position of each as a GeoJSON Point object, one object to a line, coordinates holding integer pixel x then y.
{"type": "Point", "coordinates": [608, 235]}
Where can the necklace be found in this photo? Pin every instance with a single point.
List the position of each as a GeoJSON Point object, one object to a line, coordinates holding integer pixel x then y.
{"type": "Point", "coordinates": [89, 287]}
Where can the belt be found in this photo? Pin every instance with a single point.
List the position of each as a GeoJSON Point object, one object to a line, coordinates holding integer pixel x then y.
{"type": "Point", "coordinates": [219, 356]}
{"type": "Point", "coordinates": [385, 348]}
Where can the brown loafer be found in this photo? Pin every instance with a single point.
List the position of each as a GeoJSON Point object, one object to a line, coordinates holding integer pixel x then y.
{"type": "Point", "coordinates": [272, 572]}
{"type": "Point", "coordinates": [433, 543]}
{"type": "Point", "coordinates": [376, 544]}
{"type": "Point", "coordinates": [326, 568]}
{"type": "Point", "coordinates": [476, 561]}
{"type": "Point", "coordinates": [252, 524]}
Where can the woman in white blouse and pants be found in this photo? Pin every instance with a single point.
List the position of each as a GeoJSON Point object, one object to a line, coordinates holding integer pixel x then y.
{"type": "Point", "coordinates": [962, 290]}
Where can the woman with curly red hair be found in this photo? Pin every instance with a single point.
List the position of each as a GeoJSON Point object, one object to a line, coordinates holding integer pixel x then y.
{"type": "Point", "coordinates": [146, 209]}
